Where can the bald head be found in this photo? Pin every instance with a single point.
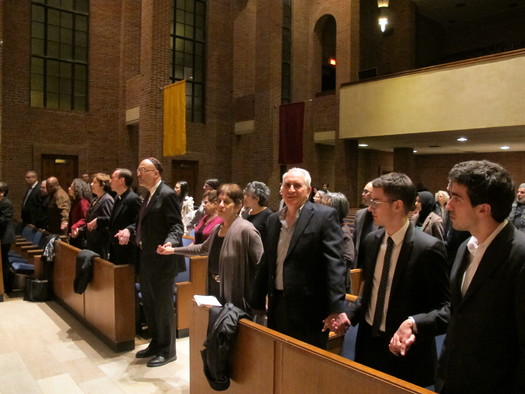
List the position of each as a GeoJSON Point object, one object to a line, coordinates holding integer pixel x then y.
{"type": "Point", "coordinates": [51, 184]}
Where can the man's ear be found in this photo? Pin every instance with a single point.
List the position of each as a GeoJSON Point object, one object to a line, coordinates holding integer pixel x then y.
{"type": "Point", "coordinates": [485, 209]}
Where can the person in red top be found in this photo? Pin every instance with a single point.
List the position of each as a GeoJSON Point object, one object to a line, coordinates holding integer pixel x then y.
{"type": "Point", "coordinates": [210, 219]}
{"type": "Point", "coordinates": [81, 196]}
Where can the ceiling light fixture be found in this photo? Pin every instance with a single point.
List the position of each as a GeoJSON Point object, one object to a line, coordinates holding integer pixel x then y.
{"type": "Point", "coordinates": [462, 139]}
{"type": "Point", "coordinates": [504, 147]}
{"type": "Point", "coordinates": [363, 145]}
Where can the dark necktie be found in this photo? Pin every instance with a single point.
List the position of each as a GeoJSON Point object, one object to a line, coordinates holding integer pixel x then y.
{"type": "Point", "coordinates": [380, 304]}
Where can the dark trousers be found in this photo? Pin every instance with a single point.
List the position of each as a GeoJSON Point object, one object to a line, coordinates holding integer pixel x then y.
{"type": "Point", "coordinates": [6, 272]}
{"type": "Point", "coordinates": [156, 286]}
{"type": "Point", "coordinates": [280, 321]}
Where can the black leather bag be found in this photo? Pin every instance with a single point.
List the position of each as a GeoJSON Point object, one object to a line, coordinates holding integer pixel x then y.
{"type": "Point", "coordinates": [37, 290]}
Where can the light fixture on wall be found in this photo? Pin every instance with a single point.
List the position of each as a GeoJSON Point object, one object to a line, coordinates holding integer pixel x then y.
{"type": "Point", "coordinates": [383, 14]}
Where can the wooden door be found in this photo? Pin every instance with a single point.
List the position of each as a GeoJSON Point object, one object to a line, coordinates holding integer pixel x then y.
{"type": "Point", "coordinates": [185, 170]}
{"type": "Point", "coordinates": [63, 167]}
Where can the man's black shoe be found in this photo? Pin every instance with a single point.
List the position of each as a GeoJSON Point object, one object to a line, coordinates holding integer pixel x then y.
{"type": "Point", "coordinates": [160, 360]}
{"type": "Point", "coordinates": [144, 353]}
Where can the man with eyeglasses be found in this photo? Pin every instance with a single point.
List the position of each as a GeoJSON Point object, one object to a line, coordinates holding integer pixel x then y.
{"type": "Point", "coordinates": [405, 273]}
{"type": "Point", "coordinates": [159, 223]}
{"type": "Point", "coordinates": [364, 222]}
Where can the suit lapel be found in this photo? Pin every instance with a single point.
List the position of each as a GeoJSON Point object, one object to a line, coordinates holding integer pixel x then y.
{"type": "Point", "coordinates": [404, 257]}
{"type": "Point", "coordinates": [493, 257]}
{"type": "Point", "coordinates": [458, 269]}
{"type": "Point", "coordinates": [369, 269]}
{"type": "Point", "coordinates": [303, 220]}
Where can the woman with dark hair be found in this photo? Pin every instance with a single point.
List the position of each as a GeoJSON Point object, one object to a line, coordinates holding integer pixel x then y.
{"type": "Point", "coordinates": [209, 184]}
{"type": "Point", "coordinates": [185, 202]}
{"type": "Point", "coordinates": [81, 196]}
{"type": "Point", "coordinates": [255, 210]}
{"type": "Point", "coordinates": [98, 237]}
{"type": "Point", "coordinates": [7, 234]}
{"type": "Point", "coordinates": [210, 219]}
{"type": "Point", "coordinates": [234, 249]}
{"type": "Point", "coordinates": [425, 219]}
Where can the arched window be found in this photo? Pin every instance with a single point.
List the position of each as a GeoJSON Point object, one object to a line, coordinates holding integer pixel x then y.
{"type": "Point", "coordinates": [326, 33]}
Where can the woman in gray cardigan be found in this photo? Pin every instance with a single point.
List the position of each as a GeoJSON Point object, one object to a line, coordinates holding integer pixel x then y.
{"type": "Point", "coordinates": [234, 249]}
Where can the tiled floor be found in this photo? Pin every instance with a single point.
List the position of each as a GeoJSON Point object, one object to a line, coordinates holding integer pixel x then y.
{"type": "Point", "coordinates": [43, 349]}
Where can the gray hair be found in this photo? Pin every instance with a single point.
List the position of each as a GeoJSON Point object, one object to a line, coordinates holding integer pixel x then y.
{"type": "Point", "coordinates": [339, 202]}
{"type": "Point", "coordinates": [258, 190]}
{"type": "Point", "coordinates": [305, 174]}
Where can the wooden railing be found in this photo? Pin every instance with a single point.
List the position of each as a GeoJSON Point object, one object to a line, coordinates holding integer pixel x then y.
{"type": "Point", "coordinates": [108, 304]}
{"type": "Point", "coordinates": [265, 361]}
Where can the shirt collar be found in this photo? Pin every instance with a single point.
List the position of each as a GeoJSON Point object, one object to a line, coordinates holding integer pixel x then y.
{"type": "Point", "coordinates": [399, 235]}
{"type": "Point", "coordinates": [474, 246]}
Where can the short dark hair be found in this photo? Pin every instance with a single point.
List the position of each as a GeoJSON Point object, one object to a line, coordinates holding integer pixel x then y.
{"type": "Point", "coordinates": [157, 164]}
{"type": "Point", "coordinates": [211, 195]}
{"type": "Point", "coordinates": [103, 180]}
{"type": "Point", "coordinates": [258, 190]}
{"type": "Point", "coordinates": [486, 183]}
{"type": "Point", "coordinates": [397, 186]}
{"type": "Point", "coordinates": [213, 183]}
{"type": "Point", "coordinates": [126, 174]}
{"type": "Point", "coordinates": [4, 189]}
{"type": "Point", "coordinates": [233, 191]}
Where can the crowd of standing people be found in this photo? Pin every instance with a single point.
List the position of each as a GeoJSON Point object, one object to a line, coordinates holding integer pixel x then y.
{"type": "Point", "coordinates": [451, 262]}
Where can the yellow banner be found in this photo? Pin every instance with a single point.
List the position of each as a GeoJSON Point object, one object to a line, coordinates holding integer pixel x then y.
{"type": "Point", "coordinates": [175, 119]}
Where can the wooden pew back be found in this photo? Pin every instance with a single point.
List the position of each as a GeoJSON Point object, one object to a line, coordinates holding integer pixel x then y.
{"type": "Point", "coordinates": [265, 361]}
{"type": "Point", "coordinates": [108, 304]}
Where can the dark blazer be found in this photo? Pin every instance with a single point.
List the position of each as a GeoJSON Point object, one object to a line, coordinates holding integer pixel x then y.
{"type": "Point", "coordinates": [159, 222]}
{"type": "Point", "coordinates": [7, 232]}
{"type": "Point", "coordinates": [314, 272]}
{"type": "Point", "coordinates": [31, 211]}
{"type": "Point", "coordinates": [98, 239]}
{"type": "Point", "coordinates": [484, 349]}
{"type": "Point", "coordinates": [420, 284]}
{"type": "Point", "coordinates": [364, 224]}
{"type": "Point", "coordinates": [123, 214]}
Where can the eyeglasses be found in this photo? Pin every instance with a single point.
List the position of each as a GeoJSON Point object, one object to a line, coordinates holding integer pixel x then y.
{"type": "Point", "coordinates": [144, 169]}
{"type": "Point", "coordinates": [375, 203]}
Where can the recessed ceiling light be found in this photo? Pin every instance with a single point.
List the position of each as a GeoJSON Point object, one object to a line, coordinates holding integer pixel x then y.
{"type": "Point", "coordinates": [363, 145]}
{"type": "Point", "coordinates": [504, 147]}
{"type": "Point", "coordinates": [462, 139]}
{"type": "Point", "coordinates": [415, 151]}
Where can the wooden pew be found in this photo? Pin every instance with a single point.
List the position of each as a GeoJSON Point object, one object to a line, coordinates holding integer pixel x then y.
{"type": "Point", "coordinates": [265, 361]}
{"type": "Point", "coordinates": [186, 291]}
{"type": "Point", "coordinates": [107, 306]}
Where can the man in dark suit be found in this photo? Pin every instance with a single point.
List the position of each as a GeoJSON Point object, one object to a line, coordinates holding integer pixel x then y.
{"type": "Point", "coordinates": [302, 269]}
{"type": "Point", "coordinates": [124, 214]}
{"type": "Point", "coordinates": [484, 349]}
{"type": "Point", "coordinates": [405, 273]}
{"type": "Point", "coordinates": [159, 223]}
{"type": "Point", "coordinates": [31, 213]}
{"type": "Point", "coordinates": [364, 222]}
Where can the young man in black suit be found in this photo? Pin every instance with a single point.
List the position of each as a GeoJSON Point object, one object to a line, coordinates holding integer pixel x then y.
{"type": "Point", "coordinates": [302, 269]}
{"type": "Point", "coordinates": [124, 214]}
{"type": "Point", "coordinates": [405, 273]}
{"type": "Point", "coordinates": [484, 349]}
{"type": "Point", "coordinates": [159, 223]}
